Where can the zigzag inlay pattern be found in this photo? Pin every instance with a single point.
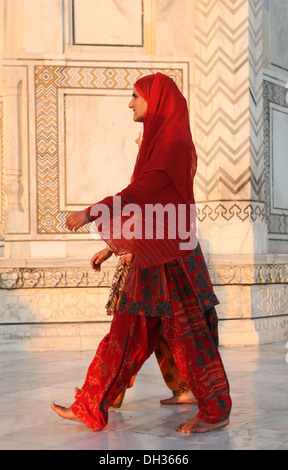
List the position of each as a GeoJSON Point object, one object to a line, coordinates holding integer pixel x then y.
{"type": "Point", "coordinates": [47, 81]}
{"type": "Point", "coordinates": [228, 102]}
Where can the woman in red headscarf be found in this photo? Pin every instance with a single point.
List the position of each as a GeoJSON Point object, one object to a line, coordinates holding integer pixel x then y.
{"type": "Point", "coordinates": [168, 284]}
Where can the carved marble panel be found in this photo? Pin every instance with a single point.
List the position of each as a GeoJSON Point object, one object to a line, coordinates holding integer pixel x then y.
{"type": "Point", "coordinates": [54, 306]}
{"type": "Point", "coordinates": [89, 158]}
{"type": "Point", "coordinates": [278, 22]}
{"type": "Point", "coordinates": [2, 172]}
{"type": "Point", "coordinates": [279, 160]}
{"type": "Point", "coordinates": [108, 22]}
{"type": "Point", "coordinates": [275, 158]}
{"type": "Point", "coordinates": [101, 85]}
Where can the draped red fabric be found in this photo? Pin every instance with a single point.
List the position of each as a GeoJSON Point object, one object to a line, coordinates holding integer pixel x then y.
{"type": "Point", "coordinates": [163, 175]}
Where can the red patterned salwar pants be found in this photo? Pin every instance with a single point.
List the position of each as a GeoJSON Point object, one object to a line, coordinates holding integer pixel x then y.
{"type": "Point", "coordinates": [130, 342]}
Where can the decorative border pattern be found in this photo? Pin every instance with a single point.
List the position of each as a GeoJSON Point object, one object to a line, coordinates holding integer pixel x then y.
{"type": "Point", "coordinates": [57, 277]}
{"type": "Point", "coordinates": [213, 210]}
{"type": "Point", "coordinates": [48, 79]}
{"type": "Point", "coordinates": [268, 324]}
{"type": "Point", "coordinates": [249, 274]}
{"type": "Point", "coordinates": [28, 278]}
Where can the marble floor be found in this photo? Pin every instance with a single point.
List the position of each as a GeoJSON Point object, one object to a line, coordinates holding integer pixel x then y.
{"type": "Point", "coordinates": [31, 380]}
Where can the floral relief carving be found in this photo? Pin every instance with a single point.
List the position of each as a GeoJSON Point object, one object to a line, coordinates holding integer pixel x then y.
{"type": "Point", "coordinates": [247, 274]}
{"type": "Point", "coordinates": [270, 300]}
{"type": "Point", "coordinates": [26, 278]}
{"type": "Point", "coordinates": [265, 274]}
{"type": "Point", "coordinates": [271, 324]}
{"type": "Point", "coordinates": [53, 278]}
{"type": "Point", "coordinates": [74, 277]}
{"type": "Point", "coordinates": [9, 279]}
{"type": "Point", "coordinates": [94, 278]}
{"type": "Point", "coordinates": [283, 271]}
{"type": "Point", "coordinates": [31, 278]}
{"type": "Point", "coordinates": [225, 274]}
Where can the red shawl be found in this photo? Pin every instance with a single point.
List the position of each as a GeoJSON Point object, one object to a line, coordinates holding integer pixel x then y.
{"type": "Point", "coordinates": [163, 174]}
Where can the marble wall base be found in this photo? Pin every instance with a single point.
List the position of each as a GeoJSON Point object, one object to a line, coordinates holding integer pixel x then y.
{"type": "Point", "coordinates": [56, 337]}
{"type": "Point", "coordinates": [53, 318]}
{"type": "Point", "coordinates": [252, 332]}
{"type": "Point", "coordinates": [62, 307]}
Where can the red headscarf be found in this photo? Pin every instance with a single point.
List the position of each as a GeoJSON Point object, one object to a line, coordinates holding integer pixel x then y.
{"type": "Point", "coordinates": [164, 170]}
{"type": "Point", "coordinates": [167, 142]}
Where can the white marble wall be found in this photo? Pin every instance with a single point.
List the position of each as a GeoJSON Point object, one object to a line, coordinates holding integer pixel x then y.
{"type": "Point", "coordinates": [64, 93]}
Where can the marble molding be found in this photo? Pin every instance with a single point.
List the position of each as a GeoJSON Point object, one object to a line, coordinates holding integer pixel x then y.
{"type": "Point", "coordinates": [49, 82]}
{"type": "Point", "coordinates": [52, 277]}
{"type": "Point", "coordinates": [122, 26]}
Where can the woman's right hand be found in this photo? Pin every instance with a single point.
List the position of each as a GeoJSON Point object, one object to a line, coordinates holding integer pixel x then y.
{"type": "Point", "coordinates": [99, 258]}
{"type": "Point", "coordinates": [77, 220]}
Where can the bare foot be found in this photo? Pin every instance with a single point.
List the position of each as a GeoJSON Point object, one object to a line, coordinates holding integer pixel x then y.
{"type": "Point", "coordinates": [65, 413]}
{"type": "Point", "coordinates": [196, 425]}
{"type": "Point", "coordinates": [185, 398]}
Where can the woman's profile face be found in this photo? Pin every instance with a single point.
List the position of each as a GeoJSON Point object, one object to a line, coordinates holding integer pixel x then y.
{"type": "Point", "coordinates": [138, 105]}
